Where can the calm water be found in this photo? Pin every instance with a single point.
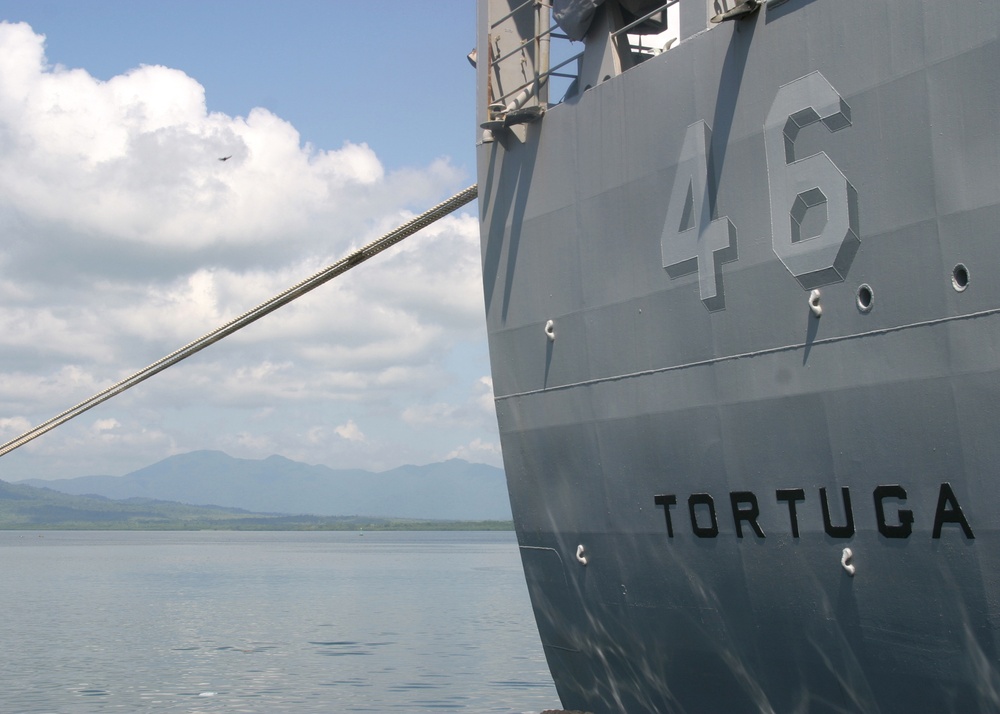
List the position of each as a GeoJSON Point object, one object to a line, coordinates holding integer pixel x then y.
{"type": "Point", "coordinates": [267, 622]}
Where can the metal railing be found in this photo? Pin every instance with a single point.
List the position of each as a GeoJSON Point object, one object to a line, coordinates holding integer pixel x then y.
{"type": "Point", "coordinates": [514, 98]}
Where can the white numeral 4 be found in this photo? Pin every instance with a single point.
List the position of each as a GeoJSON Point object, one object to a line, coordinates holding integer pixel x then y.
{"type": "Point", "coordinates": [692, 240]}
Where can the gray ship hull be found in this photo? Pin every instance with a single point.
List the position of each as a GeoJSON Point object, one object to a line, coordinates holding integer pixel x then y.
{"type": "Point", "coordinates": [744, 327]}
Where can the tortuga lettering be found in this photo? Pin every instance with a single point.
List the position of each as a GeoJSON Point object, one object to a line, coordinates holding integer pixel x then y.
{"type": "Point", "coordinates": [892, 520]}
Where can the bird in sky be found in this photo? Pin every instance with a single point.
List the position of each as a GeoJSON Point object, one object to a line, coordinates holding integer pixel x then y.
{"type": "Point", "coordinates": [225, 158]}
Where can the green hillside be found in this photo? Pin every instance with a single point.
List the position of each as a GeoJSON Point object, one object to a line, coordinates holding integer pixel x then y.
{"type": "Point", "coordinates": [28, 507]}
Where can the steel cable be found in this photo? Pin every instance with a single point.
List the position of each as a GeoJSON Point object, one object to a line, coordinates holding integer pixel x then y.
{"type": "Point", "coordinates": [296, 291]}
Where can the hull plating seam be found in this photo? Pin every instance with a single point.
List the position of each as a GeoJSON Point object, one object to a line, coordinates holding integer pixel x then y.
{"type": "Point", "coordinates": [756, 353]}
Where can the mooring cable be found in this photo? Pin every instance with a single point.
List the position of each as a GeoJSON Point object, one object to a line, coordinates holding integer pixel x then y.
{"type": "Point", "coordinates": [296, 291]}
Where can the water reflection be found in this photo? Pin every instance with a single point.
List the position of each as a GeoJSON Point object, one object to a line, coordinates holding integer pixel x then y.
{"type": "Point", "coordinates": [269, 622]}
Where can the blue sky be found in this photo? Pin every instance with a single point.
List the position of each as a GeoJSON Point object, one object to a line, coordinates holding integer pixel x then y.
{"type": "Point", "coordinates": [396, 78]}
{"type": "Point", "coordinates": [124, 237]}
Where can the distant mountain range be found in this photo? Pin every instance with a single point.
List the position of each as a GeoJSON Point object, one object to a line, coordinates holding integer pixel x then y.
{"type": "Point", "coordinates": [451, 490]}
{"type": "Point", "coordinates": [23, 506]}
{"type": "Point", "coordinates": [27, 507]}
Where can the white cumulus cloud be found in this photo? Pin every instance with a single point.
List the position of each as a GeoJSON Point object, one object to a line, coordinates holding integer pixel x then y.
{"type": "Point", "coordinates": [125, 236]}
{"type": "Point", "coordinates": [349, 431]}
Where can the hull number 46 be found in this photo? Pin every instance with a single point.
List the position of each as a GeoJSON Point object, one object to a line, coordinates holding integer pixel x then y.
{"type": "Point", "coordinates": [693, 240]}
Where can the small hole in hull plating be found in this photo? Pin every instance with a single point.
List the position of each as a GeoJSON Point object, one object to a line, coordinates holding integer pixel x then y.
{"type": "Point", "coordinates": [866, 298]}
{"type": "Point", "coordinates": [960, 277]}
